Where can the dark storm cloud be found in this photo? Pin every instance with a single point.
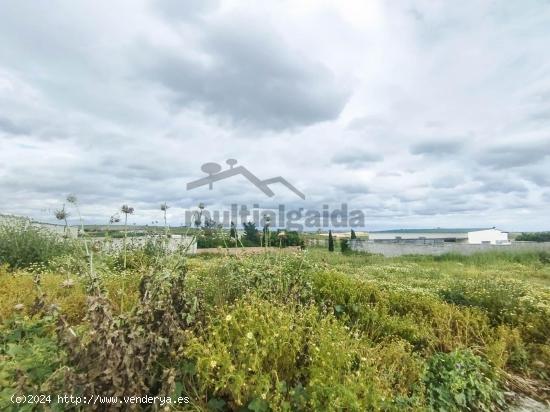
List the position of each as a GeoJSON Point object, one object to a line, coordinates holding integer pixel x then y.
{"type": "Point", "coordinates": [447, 181]}
{"type": "Point", "coordinates": [154, 171]}
{"type": "Point", "coordinates": [436, 147]}
{"type": "Point", "coordinates": [539, 117]}
{"type": "Point", "coordinates": [10, 127]}
{"type": "Point", "coordinates": [356, 159]}
{"type": "Point", "coordinates": [129, 112]}
{"type": "Point", "coordinates": [251, 78]}
{"type": "Point", "coordinates": [353, 189]}
{"type": "Point", "coordinates": [452, 202]}
{"type": "Point", "coordinates": [502, 186]}
{"type": "Point", "coordinates": [442, 209]}
{"type": "Point", "coordinates": [505, 157]}
{"type": "Point", "coordinates": [539, 178]}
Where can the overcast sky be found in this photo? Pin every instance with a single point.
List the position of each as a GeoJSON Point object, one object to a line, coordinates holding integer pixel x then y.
{"type": "Point", "coordinates": [420, 113]}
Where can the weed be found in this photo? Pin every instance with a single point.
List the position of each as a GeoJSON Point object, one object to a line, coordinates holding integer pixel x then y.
{"type": "Point", "coordinates": [22, 244]}
{"type": "Point", "coordinates": [461, 380]}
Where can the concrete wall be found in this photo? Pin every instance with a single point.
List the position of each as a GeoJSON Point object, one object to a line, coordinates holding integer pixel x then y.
{"type": "Point", "coordinates": [399, 249]}
{"type": "Point", "coordinates": [71, 231]}
{"type": "Point", "coordinates": [317, 242]}
{"type": "Point", "coordinates": [174, 243]}
{"type": "Point", "coordinates": [493, 236]}
{"type": "Point", "coordinates": [247, 250]}
{"type": "Point", "coordinates": [416, 235]}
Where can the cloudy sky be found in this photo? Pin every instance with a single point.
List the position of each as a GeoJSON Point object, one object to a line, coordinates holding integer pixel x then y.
{"type": "Point", "coordinates": [420, 113]}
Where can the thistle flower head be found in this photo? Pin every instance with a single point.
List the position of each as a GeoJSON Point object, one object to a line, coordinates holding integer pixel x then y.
{"type": "Point", "coordinates": [164, 207]}
{"type": "Point", "coordinates": [114, 219]}
{"type": "Point", "coordinates": [201, 206]}
{"type": "Point", "coordinates": [68, 283]}
{"type": "Point", "coordinates": [127, 209]}
{"type": "Point", "coordinates": [72, 199]}
{"type": "Point", "coordinates": [61, 214]}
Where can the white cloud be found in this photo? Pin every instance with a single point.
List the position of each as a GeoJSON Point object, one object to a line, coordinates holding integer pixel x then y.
{"type": "Point", "coordinates": [420, 113]}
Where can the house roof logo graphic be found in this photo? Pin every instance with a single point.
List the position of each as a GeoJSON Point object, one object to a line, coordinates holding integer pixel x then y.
{"type": "Point", "coordinates": [215, 173]}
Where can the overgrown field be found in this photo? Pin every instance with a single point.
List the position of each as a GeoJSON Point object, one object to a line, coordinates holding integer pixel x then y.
{"type": "Point", "coordinates": [312, 331]}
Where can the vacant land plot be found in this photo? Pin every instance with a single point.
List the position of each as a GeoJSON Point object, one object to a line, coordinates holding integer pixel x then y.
{"type": "Point", "coordinates": [307, 330]}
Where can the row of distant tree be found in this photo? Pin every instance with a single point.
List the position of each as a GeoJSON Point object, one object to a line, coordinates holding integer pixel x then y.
{"type": "Point", "coordinates": [534, 237]}
{"type": "Point", "coordinates": [344, 242]}
{"type": "Point", "coordinates": [213, 235]}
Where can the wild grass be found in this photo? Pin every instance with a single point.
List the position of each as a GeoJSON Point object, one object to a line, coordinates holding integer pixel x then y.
{"type": "Point", "coordinates": [286, 332]}
{"type": "Point", "coordinates": [22, 244]}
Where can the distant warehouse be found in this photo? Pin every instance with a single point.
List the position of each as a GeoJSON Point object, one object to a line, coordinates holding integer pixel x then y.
{"type": "Point", "coordinates": [490, 236]}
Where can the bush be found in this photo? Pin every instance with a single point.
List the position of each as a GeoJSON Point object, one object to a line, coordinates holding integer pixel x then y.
{"type": "Point", "coordinates": [508, 302]}
{"type": "Point", "coordinates": [461, 380]}
{"type": "Point", "coordinates": [544, 257]}
{"type": "Point", "coordinates": [18, 288]}
{"type": "Point", "coordinates": [423, 320]}
{"type": "Point", "coordinates": [29, 356]}
{"type": "Point", "coordinates": [139, 256]}
{"type": "Point", "coordinates": [344, 246]}
{"type": "Point", "coordinates": [251, 354]}
{"type": "Point", "coordinates": [22, 245]}
{"type": "Point", "coordinates": [534, 237]}
{"type": "Point", "coordinates": [268, 356]}
{"type": "Point", "coordinates": [281, 278]}
{"type": "Point", "coordinates": [135, 353]}
{"type": "Point", "coordinates": [204, 242]}
{"type": "Point", "coordinates": [279, 331]}
{"type": "Point", "coordinates": [347, 373]}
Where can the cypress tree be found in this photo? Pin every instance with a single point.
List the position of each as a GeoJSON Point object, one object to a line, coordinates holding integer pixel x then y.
{"type": "Point", "coordinates": [330, 241]}
{"type": "Point", "coordinates": [353, 235]}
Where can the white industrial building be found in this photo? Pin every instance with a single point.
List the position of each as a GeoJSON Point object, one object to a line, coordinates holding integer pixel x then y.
{"type": "Point", "coordinates": [476, 236]}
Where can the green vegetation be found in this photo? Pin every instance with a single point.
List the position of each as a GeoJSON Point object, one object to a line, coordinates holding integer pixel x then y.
{"type": "Point", "coordinates": [344, 245]}
{"type": "Point", "coordinates": [462, 380]}
{"type": "Point", "coordinates": [306, 331]}
{"type": "Point", "coordinates": [535, 237]}
{"type": "Point", "coordinates": [251, 234]}
{"type": "Point", "coordinates": [22, 245]}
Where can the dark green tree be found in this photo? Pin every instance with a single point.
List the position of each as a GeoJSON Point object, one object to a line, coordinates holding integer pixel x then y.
{"type": "Point", "coordinates": [233, 231]}
{"type": "Point", "coordinates": [330, 241]}
{"type": "Point", "coordinates": [353, 235]}
{"type": "Point", "coordinates": [251, 234]}
{"type": "Point", "coordinates": [293, 238]}
{"type": "Point", "coordinates": [534, 237]}
{"type": "Point", "coordinates": [344, 245]}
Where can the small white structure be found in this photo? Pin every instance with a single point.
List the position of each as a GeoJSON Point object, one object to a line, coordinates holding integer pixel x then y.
{"type": "Point", "coordinates": [474, 236]}
{"type": "Point", "coordinates": [488, 236]}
